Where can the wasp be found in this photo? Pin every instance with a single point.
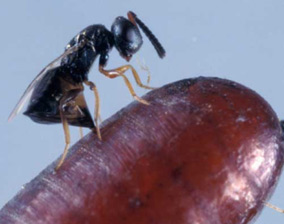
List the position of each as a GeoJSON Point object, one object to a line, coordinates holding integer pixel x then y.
{"type": "Point", "coordinates": [56, 94]}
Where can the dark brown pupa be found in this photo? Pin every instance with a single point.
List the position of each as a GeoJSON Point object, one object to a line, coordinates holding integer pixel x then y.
{"type": "Point", "coordinates": [205, 150]}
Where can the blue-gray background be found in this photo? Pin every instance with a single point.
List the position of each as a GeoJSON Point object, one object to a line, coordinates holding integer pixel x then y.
{"type": "Point", "coordinates": [238, 40]}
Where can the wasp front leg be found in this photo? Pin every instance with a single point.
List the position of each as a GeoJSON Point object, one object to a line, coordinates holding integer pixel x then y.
{"type": "Point", "coordinates": [280, 210]}
{"type": "Point", "coordinates": [118, 72]}
{"type": "Point", "coordinates": [122, 70]}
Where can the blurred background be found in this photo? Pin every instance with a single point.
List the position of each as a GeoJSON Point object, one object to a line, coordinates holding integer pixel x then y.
{"type": "Point", "coordinates": [238, 40]}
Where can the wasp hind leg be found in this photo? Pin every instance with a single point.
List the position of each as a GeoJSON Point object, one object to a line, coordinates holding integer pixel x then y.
{"type": "Point", "coordinates": [73, 110]}
{"type": "Point", "coordinates": [81, 132]}
{"type": "Point", "coordinates": [67, 137]}
{"type": "Point", "coordinates": [113, 73]}
{"type": "Point", "coordinates": [97, 106]}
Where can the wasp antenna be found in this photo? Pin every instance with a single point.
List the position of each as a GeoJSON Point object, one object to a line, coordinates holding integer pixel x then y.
{"type": "Point", "coordinates": [157, 45]}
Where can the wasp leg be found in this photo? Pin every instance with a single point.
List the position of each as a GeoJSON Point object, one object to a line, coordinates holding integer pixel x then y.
{"type": "Point", "coordinates": [123, 69]}
{"type": "Point", "coordinates": [144, 67]}
{"type": "Point", "coordinates": [67, 137]}
{"type": "Point", "coordinates": [81, 132]}
{"type": "Point", "coordinates": [119, 72]}
{"type": "Point", "coordinates": [274, 207]}
{"type": "Point", "coordinates": [97, 106]}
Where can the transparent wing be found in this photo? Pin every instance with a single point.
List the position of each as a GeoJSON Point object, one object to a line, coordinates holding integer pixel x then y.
{"type": "Point", "coordinates": [54, 64]}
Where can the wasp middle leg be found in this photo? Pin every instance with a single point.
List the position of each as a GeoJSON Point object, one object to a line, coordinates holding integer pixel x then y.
{"type": "Point", "coordinates": [97, 106]}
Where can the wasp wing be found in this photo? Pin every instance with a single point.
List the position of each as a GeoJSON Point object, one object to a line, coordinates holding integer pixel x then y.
{"type": "Point", "coordinates": [28, 93]}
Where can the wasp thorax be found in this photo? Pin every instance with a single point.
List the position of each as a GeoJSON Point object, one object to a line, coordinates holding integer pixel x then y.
{"type": "Point", "coordinates": [127, 37]}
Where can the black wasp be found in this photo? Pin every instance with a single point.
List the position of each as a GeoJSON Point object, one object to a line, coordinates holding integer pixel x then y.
{"type": "Point", "coordinates": [56, 94]}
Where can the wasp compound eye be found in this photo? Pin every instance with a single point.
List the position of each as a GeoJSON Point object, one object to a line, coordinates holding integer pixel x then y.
{"type": "Point", "coordinates": [127, 37]}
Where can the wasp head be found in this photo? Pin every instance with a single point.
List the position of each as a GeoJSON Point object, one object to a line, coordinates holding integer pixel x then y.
{"type": "Point", "coordinates": [127, 38]}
